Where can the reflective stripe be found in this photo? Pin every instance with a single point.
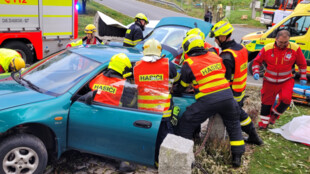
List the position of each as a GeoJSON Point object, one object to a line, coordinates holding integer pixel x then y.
{"type": "Point", "coordinates": [21, 15]}
{"type": "Point", "coordinates": [271, 72]}
{"type": "Point", "coordinates": [167, 113]}
{"type": "Point", "coordinates": [200, 94]}
{"type": "Point", "coordinates": [57, 34]}
{"type": "Point", "coordinates": [189, 61]}
{"type": "Point", "coordinates": [275, 80]}
{"type": "Point", "coordinates": [231, 51]}
{"type": "Point", "coordinates": [153, 97]}
{"type": "Point", "coordinates": [246, 121]}
{"type": "Point", "coordinates": [195, 82]}
{"type": "Point", "coordinates": [285, 73]}
{"type": "Point", "coordinates": [210, 78]}
{"type": "Point", "coordinates": [220, 27]}
{"type": "Point", "coordinates": [239, 86]}
{"type": "Point", "coordinates": [264, 117]}
{"type": "Point", "coordinates": [265, 122]}
{"type": "Point", "coordinates": [303, 76]}
{"type": "Point", "coordinates": [184, 84]}
{"type": "Point", "coordinates": [151, 106]}
{"type": "Point", "coordinates": [58, 3]}
{"type": "Point", "coordinates": [303, 70]}
{"type": "Point", "coordinates": [239, 98]}
{"type": "Point", "coordinates": [240, 79]}
{"type": "Point", "coordinates": [130, 42]}
{"type": "Point", "coordinates": [213, 84]}
{"type": "Point", "coordinates": [256, 66]}
{"type": "Point", "coordinates": [276, 112]}
{"type": "Point", "coordinates": [177, 77]}
{"type": "Point", "coordinates": [237, 143]}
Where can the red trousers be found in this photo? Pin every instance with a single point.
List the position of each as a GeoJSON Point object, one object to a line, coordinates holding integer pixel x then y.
{"type": "Point", "coordinates": [270, 91]}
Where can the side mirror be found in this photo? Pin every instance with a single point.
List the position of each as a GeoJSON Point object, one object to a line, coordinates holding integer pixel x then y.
{"type": "Point", "coordinates": [89, 97]}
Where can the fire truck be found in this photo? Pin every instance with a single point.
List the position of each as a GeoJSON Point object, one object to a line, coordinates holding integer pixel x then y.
{"type": "Point", "coordinates": [37, 28]}
{"type": "Point", "coordinates": [276, 10]}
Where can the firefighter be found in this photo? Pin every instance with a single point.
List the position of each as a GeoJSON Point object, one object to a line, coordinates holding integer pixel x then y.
{"type": "Point", "coordinates": [89, 39]}
{"type": "Point", "coordinates": [10, 61]}
{"type": "Point", "coordinates": [278, 79]}
{"type": "Point", "coordinates": [235, 59]}
{"type": "Point", "coordinates": [196, 31]}
{"type": "Point", "coordinates": [135, 32]}
{"type": "Point", "coordinates": [154, 76]}
{"type": "Point", "coordinates": [213, 95]}
{"type": "Point", "coordinates": [112, 86]}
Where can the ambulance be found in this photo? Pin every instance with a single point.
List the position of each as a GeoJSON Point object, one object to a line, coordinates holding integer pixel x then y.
{"type": "Point", "coordinates": [37, 28]}
{"type": "Point", "coordinates": [298, 24]}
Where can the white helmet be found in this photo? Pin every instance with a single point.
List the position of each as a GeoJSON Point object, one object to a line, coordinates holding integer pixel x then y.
{"type": "Point", "coordinates": [152, 48]}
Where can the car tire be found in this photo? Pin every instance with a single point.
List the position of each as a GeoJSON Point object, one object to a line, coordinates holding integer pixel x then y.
{"type": "Point", "coordinates": [32, 155]}
{"type": "Point", "coordinates": [23, 49]}
{"type": "Point", "coordinates": [262, 69]}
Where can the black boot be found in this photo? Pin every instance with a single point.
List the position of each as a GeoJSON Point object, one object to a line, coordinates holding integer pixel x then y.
{"type": "Point", "coordinates": [254, 138]}
{"type": "Point", "coordinates": [236, 160]}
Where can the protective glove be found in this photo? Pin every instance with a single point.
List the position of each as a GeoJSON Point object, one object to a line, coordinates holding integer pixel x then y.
{"type": "Point", "coordinates": [256, 76]}
{"type": "Point", "coordinates": [303, 82]}
{"type": "Point", "coordinates": [174, 117]}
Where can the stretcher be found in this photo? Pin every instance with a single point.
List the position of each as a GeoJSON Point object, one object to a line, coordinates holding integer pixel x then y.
{"type": "Point", "coordinates": [301, 94]}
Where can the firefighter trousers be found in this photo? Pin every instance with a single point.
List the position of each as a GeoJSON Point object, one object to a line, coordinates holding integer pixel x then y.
{"type": "Point", "coordinates": [247, 125]}
{"type": "Point", "coordinates": [199, 111]}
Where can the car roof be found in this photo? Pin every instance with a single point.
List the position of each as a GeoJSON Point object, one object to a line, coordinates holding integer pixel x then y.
{"type": "Point", "coordinates": [103, 53]}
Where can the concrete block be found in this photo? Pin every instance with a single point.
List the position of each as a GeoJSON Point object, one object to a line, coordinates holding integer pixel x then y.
{"type": "Point", "coordinates": [176, 155]}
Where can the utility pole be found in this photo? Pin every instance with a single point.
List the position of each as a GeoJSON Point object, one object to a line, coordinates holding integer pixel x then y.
{"type": "Point", "coordinates": [253, 9]}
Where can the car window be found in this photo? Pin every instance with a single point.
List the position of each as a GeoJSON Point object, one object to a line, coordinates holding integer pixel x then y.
{"type": "Point", "coordinates": [57, 75]}
{"type": "Point", "coordinates": [297, 26]}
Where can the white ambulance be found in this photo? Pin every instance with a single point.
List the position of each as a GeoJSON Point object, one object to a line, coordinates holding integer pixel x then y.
{"type": "Point", "coordinates": [37, 28]}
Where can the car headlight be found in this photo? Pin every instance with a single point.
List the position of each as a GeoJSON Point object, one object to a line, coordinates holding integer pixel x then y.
{"type": "Point", "coordinates": [245, 42]}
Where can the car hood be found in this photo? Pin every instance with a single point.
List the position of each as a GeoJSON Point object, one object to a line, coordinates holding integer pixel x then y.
{"type": "Point", "coordinates": [253, 36]}
{"type": "Point", "coordinates": [13, 94]}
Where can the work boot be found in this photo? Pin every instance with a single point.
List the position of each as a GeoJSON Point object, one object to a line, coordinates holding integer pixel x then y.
{"type": "Point", "coordinates": [261, 125]}
{"type": "Point", "coordinates": [236, 160]}
{"type": "Point", "coordinates": [125, 166]}
{"type": "Point", "coordinates": [273, 118]}
{"type": "Point", "coordinates": [254, 138]}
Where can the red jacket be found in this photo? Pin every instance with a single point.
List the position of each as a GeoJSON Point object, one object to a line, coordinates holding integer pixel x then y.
{"type": "Point", "coordinates": [280, 62]}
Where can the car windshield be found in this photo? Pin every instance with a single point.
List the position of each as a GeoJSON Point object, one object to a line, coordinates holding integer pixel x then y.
{"type": "Point", "coordinates": [57, 75]}
{"type": "Point", "coordinates": [169, 35]}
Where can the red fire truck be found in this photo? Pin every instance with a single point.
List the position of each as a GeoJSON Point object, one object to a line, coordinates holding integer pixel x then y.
{"type": "Point", "coordinates": [37, 28]}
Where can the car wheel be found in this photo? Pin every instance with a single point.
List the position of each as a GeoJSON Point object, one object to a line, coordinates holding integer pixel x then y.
{"type": "Point", "coordinates": [262, 69]}
{"type": "Point", "coordinates": [23, 49]}
{"type": "Point", "coordinates": [22, 153]}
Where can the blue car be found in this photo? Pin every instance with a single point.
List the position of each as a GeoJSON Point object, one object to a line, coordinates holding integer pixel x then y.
{"type": "Point", "coordinates": [42, 116]}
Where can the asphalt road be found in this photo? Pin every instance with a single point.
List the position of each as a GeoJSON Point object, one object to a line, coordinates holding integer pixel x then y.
{"type": "Point", "coordinates": [132, 7]}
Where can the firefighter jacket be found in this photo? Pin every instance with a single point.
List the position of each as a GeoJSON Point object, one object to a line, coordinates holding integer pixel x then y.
{"type": "Point", "coordinates": [280, 62]}
{"type": "Point", "coordinates": [6, 56]}
{"type": "Point", "coordinates": [154, 81]}
{"type": "Point", "coordinates": [85, 41]}
{"type": "Point", "coordinates": [133, 35]}
{"type": "Point", "coordinates": [208, 72]}
{"type": "Point", "coordinates": [235, 59]}
{"type": "Point", "coordinates": [109, 89]}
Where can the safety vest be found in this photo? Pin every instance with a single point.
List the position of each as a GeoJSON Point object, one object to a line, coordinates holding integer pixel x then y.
{"type": "Point", "coordinates": [6, 56]}
{"type": "Point", "coordinates": [238, 80]}
{"type": "Point", "coordinates": [110, 89]}
{"type": "Point", "coordinates": [152, 79]}
{"type": "Point", "coordinates": [209, 72]}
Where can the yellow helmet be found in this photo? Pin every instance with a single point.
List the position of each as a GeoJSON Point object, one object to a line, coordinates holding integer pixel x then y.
{"type": "Point", "coordinates": [90, 28]}
{"type": "Point", "coordinates": [17, 63]}
{"type": "Point", "coordinates": [141, 16]}
{"type": "Point", "coordinates": [196, 31]}
{"type": "Point", "coordinates": [152, 48]}
{"type": "Point", "coordinates": [192, 42]}
{"type": "Point", "coordinates": [222, 28]}
{"type": "Point", "coordinates": [121, 64]}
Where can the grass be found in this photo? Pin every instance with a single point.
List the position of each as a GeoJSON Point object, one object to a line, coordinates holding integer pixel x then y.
{"type": "Point", "coordinates": [92, 8]}
{"type": "Point", "coordinates": [234, 18]}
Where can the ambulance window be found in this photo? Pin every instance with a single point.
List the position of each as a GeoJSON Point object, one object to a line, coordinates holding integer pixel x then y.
{"type": "Point", "coordinates": [299, 25]}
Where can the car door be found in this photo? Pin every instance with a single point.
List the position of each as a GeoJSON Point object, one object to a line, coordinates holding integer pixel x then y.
{"type": "Point", "coordinates": [117, 132]}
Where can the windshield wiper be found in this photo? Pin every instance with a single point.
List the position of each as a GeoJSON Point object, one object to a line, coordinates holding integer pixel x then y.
{"type": "Point", "coordinates": [31, 85]}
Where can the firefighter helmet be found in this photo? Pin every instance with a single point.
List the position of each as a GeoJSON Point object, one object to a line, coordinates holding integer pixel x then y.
{"type": "Point", "coordinates": [90, 28]}
{"type": "Point", "coordinates": [17, 63]}
{"type": "Point", "coordinates": [141, 16]}
{"type": "Point", "coordinates": [196, 31]}
{"type": "Point", "coordinates": [121, 64]}
{"type": "Point", "coordinates": [152, 48]}
{"type": "Point", "coordinates": [222, 28]}
{"type": "Point", "coordinates": [192, 42]}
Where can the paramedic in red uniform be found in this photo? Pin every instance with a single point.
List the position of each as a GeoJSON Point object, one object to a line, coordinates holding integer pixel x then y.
{"type": "Point", "coordinates": [280, 58]}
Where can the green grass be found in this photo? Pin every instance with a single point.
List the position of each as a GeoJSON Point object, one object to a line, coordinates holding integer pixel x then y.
{"type": "Point", "coordinates": [279, 155]}
{"type": "Point", "coordinates": [91, 9]}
